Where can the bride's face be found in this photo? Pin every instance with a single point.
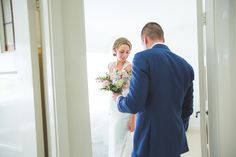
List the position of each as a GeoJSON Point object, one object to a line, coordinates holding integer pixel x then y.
{"type": "Point", "coordinates": [122, 52]}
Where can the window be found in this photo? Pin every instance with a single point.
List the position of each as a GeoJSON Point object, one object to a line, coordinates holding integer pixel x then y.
{"type": "Point", "coordinates": [7, 34]}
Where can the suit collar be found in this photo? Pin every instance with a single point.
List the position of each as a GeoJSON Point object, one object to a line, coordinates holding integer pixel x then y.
{"type": "Point", "coordinates": [160, 45]}
{"type": "Point", "coordinates": [156, 44]}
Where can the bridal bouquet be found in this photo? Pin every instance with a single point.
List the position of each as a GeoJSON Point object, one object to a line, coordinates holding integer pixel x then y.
{"type": "Point", "coordinates": [115, 82]}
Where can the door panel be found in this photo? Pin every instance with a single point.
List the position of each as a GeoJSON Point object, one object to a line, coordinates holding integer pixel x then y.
{"type": "Point", "coordinates": [20, 101]}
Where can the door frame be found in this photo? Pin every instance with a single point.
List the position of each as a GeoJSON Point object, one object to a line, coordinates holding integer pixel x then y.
{"type": "Point", "coordinates": [54, 78]}
{"type": "Point", "coordinates": [65, 77]}
{"type": "Point", "coordinates": [203, 91]}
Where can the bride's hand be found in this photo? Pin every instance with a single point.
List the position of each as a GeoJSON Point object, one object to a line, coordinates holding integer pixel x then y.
{"type": "Point", "coordinates": [115, 95]}
{"type": "Point", "coordinates": [131, 124]}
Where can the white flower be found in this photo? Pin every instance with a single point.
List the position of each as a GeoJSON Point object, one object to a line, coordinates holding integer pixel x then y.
{"type": "Point", "coordinates": [105, 83]}
{"type": "Point", "coordinates": [119, 83]}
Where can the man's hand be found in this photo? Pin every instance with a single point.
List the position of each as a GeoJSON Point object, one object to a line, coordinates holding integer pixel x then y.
{"type": "Point", "coordinates": [115, 95]}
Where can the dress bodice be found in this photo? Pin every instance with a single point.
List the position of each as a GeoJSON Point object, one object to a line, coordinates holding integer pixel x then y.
{"type": "Point", "coordinates": [112, 69]}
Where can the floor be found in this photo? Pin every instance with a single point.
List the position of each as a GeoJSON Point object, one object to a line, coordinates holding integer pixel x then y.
{"type": "Point", "coordinates": [194, 143]}
{"type": "Point", "coordinates": [100, 147]}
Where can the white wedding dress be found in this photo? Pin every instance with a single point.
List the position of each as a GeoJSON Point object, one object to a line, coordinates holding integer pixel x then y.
{"type": "Point", "coordinates": [120, 138]}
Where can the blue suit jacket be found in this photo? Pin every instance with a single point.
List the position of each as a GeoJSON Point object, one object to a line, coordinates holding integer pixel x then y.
{"type": "Point", "coordinates": [161, 93]}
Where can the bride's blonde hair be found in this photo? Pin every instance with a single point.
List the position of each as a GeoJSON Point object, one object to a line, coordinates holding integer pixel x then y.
{"type": "Point", "coordinates": [121, 41]}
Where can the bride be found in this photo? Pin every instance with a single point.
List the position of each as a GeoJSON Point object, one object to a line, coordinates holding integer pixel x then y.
{"type": "Point", "coordinates": [121, 125]}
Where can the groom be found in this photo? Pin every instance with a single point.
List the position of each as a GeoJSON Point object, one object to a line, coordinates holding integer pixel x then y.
{"type": "Point", "coordinates": [161, 93]}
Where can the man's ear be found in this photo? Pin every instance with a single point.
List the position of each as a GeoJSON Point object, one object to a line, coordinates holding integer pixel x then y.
{"type": "Point", "coordinates": [145, 40]}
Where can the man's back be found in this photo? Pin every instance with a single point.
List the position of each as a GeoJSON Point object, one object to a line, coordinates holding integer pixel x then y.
{"type": "Point", "coordinates": [164, 103]}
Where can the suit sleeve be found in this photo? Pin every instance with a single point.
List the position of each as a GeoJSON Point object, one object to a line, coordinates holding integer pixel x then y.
{"type": "Point", "coordinates": [139, 87]}
{"type": "Point", "coordinates": [187, 109]}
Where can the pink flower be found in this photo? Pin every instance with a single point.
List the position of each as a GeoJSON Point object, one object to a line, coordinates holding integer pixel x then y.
{"type": "Point", "coordinates": [105, 83]}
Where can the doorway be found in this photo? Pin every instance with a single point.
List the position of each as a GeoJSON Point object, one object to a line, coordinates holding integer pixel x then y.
{"type": "Point", "coordinates": [105, 21]}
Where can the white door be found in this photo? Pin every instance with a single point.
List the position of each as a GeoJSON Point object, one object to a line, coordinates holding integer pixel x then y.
{"type": "Point", "coordinates": [217, 38]}
{"type": "Point", "coordinates": [21, 128]}
{"type": "Point", "coordinates": [221, 62]}
{"type": "Point", "coordinates": [201, 16]}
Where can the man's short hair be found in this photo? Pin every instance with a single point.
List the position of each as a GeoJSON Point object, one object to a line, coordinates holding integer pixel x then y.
{"type": "Point", "coordinates": [152, 30]}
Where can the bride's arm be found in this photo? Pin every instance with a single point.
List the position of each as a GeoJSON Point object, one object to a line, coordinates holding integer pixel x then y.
{"type": "Point", "coordinates": [132, 123]}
